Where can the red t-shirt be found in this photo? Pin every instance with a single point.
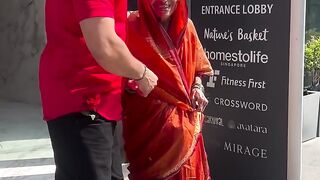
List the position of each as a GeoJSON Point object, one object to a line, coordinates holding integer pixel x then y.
{"type": "Point", "coordinates": [70, 78]}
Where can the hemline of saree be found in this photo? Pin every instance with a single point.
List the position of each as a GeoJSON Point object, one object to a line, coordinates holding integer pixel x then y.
{"type": "Point", "coordinates": [191, 149]}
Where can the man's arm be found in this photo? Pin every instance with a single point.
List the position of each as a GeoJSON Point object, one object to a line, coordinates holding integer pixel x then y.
{"type": "Point", "coordinates": [112, 54]}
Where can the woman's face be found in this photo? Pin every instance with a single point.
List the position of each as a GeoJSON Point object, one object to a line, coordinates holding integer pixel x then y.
{"type": "Point", "coordinates": [163, 9]}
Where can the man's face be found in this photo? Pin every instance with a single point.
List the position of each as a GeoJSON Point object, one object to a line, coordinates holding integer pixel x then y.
{"type": "Point", "coordinates": [163, 9]}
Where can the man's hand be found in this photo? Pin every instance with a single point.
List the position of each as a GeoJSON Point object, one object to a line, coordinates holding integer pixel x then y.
{"type": "Point", "coordinates": [147, 83]}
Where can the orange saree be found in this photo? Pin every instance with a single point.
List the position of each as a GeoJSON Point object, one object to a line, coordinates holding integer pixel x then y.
{"type": "Point", "coordinates": [162, 132]}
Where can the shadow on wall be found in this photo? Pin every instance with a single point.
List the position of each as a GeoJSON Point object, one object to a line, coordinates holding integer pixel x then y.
{"type": "Point", "coordinates": [22, 38]}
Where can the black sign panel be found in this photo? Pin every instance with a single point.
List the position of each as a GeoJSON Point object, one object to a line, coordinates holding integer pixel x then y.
{"type": "Point", "coordinates": [132, 5]}
{"type": "Point", "coordinates": [246, 126]}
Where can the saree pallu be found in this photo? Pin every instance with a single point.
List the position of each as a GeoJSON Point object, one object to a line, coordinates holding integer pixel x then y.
{"type": "Point", "coordinates": [162, 132]}
{"type": "Point", "coordinates": [163, 138]}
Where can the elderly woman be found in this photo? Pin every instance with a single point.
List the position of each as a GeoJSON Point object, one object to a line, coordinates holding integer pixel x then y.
{"type": "Point", "coordinates": [162, 132]}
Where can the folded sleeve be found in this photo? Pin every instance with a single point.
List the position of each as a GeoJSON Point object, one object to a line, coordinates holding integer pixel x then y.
{"type": "Point", "coordinates": [93, 8]}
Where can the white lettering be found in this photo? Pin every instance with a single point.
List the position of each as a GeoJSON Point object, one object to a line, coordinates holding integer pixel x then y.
{"type": "Point", "coordinates": [248, 57]}
{"type": "Point", "coordinates": [253, 106]}
{"type": "Point", "coordinates": [245, 150]}
{"type": "Point", "coordinates": [235, 9]}
{"type": "Point", "coordinates": [252, 128]}
{"type": "Point", "coordinates": [253, 35]}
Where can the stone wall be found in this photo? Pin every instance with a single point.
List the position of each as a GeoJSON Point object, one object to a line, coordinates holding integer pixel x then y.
{"type": "Point", "coordinates": [22, 38]}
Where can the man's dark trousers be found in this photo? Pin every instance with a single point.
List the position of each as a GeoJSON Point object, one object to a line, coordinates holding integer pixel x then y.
{"type": "Point", "coordinates": [86, 147]}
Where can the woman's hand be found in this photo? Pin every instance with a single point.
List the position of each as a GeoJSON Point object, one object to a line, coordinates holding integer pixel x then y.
{"type": "Point", "coordinates": [198, 99]}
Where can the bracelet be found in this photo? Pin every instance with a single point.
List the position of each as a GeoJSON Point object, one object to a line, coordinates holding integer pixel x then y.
{"type": "Point", "coordinates": [198, 86]}
{"type": "Point", "coordinates": [143, 75]}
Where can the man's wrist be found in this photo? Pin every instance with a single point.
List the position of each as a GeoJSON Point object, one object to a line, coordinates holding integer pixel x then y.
{"type": "Point", "coordinates": [143, 74]}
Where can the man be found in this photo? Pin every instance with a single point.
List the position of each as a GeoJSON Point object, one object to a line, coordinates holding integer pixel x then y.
{"type": "Point", "coordinates": [80, 82]}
